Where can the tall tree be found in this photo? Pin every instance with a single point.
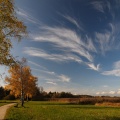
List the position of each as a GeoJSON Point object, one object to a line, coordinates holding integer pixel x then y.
{"type": "Point", "coordinates": [21, 82]}
{"type": "Point", "coordinates": [10, 27]}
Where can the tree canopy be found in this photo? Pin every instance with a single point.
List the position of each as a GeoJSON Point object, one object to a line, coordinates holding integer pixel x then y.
{"type": "Point", "coordinates": [10, 27]}
{"type": "Point", "coordinates": [21, 80]}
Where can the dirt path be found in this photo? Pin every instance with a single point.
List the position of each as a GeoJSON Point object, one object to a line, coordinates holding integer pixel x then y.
{"type": "Point", "coordinates": [3, 110]}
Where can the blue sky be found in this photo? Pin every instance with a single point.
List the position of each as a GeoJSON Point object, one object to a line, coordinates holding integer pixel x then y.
{"type": "Point", "coordinates": [73, 45]}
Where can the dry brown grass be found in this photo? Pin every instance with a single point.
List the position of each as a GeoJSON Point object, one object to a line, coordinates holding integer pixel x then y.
{"type": "Point", "coordinates": [108, 104]}
{"type": "Point", "coordinates": [88, 101]}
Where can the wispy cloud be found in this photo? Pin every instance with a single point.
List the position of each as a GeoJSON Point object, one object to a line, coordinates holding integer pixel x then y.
{"type": "Point", "coordinates": [44, 71]}
{"type": "Point", "coordinates": [64, 78]}
{"type": "Point", "coordinates": [24, 14]}
{"type": "Point", "coordinates": [105, 41]}
{"type": "Point", "coordinates": [72, 46]}
{"type": "Point", "coordinates": [74, 21]}
{"type": "Point", "coordinates": [105, 86]}
{"type": "Point", "coordinates": [101, 6]}
{"type": "Point", "coordinates": [118, 92]}
{"type": "Point", "coordinates": [53, 57]}
{"type": "Point", "coordinates": [116, 65]}
{"type": "Point", "coordinates": [93, 67]}
{"type": "Point", "coordinates": [108, 39]}
{"type": "Point", "coordinates": [112, 72]}
{"type": "Point", "coordinates": [58, 57]}
{"type": "Point", "coordinates": [35, 64]}
{"type": "Point", "coordinates": [111, 92]}
{"type": "Point", "coordinates": [66, 39]}
{"type": "Point", "coordinates": [53, 83]}
{"type": "Point", "coordinates": [115, 71]}
{"type": "Point", "coordinates": [52, 76]}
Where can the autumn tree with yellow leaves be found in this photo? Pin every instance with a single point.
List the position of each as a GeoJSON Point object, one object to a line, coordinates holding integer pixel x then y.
{"type": "Point", "coordinates": [21, 82]}
{"type": "Point", "coordinates": [10, 28]}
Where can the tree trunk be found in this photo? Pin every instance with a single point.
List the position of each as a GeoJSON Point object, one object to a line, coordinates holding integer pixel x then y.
{"type": "Point", "coordinates": [22, 98]}
{"type": "Point", "coordinates": [27, 97]}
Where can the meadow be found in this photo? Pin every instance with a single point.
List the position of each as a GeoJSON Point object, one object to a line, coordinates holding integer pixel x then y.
{"type": "Point", "coordinates": [62, 111]}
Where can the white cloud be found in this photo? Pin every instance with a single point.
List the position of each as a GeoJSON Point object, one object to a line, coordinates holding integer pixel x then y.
{"type": "Point", "coordinates": [53, 57]}
{"type": "Point", "coordinates": [103, 93]}
{"type": "Point", "coordinates": [101, 6]}
{"type": "Point", "coordinates": [52, 76]}
{"type": "Point", "coordinates": [118, 92]}
{"type": "Point", "coordinates": [36, 64]}
{"type": "Point", "coordinates": [112, 72]}
{"type": "Point", "coordinates": [24, 14]}
{"type": "Point", "coordinates": [93, 67]}
{"type": "Point", "coordinates": [105, 40]}
{"type": "Point", "coordinates": [51, 73]}
{"type": "Point", "coordinates": [53, 83]}
{"type": "Point", "coordinates": [116, 65]}
{"type": "Point", "coordinates": [71, 45]}
{"type": "Point", "coordinates": [97, 93]}
{"type": "Point", "coordinates": [64, 78]}
{"type": "Point", "coordinates": [112, 92]}
{"type": "Point", "coordinates": [105, 86]}
{"type": "Point", "coordinates": [44, 71]}
{"type": "Point", "coordinates": [115, 71]}
{"type": "Point", "coordinates": [67, 40]}
{"type": "Point", "coordinates": [74, 21]}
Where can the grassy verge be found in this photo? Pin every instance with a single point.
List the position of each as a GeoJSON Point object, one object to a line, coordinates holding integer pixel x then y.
{"type": "Point", "coordinates": [1, 104]}
{"type": "Point", "coordinates": [4, 102]}
{"type": "Point", "coordinates": [62, 111]}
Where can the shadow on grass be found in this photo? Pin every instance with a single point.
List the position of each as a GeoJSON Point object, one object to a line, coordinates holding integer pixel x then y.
{"type": "Point", "coordinates": [114, 118]}
{"type": "Point", "coordinates": [108, 118]}
{"type": "Point", "coordinates": [20, 107]}
{"type": "Point", "coordinates": [93, 107]}
{"type": "Point", "coordinates": [8, 102]}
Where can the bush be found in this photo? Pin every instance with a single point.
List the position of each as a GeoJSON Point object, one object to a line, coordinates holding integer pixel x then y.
{"type": "Point", "coordinates": [9, 97]}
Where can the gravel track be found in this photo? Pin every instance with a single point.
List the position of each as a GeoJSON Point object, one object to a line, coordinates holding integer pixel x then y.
{"type": "Point", "coordinates": [3, 110]}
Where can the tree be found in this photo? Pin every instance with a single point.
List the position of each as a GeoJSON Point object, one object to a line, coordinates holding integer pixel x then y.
{"type": "Point", "coordinates": [10, 27]}
{"type": "Point", "coordinates": [21, 82]}
{"type": "Point", "coordinates": [2, 93]}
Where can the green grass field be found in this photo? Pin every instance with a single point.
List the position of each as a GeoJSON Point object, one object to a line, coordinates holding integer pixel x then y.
{"type": "Point", "coordinates": [62, 111]}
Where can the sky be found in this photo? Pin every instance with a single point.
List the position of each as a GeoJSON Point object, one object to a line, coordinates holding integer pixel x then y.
{"type": "Point", "coordinates": [72, 45]}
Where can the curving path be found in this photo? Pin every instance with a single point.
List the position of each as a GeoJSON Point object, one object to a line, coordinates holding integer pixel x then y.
{"type": "Point", "coordinates": [3, 110]}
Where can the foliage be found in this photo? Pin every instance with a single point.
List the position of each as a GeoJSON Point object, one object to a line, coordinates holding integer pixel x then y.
{"type": "Point", "coordinates": [21, 78]}
{"type": "Point", "coordinates": [3, 93]}
{"type": "Point", "coordinates": [62, 111]}
{"type": "Point", "coordinates": [9, 97]}
{"type": "Point", "coordinates": [10, 27]}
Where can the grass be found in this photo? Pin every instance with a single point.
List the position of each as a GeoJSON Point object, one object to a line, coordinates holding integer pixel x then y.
{"type": "Point", "coordinates": [62, 111]}
{"type": "Point", "coordinates": [1, 104]}
{"type": "Point", "coordinates": [4, 102]}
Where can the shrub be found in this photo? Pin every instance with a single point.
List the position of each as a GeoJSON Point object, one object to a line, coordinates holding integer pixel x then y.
{"type": "Point", "coordinates": [9, 97]}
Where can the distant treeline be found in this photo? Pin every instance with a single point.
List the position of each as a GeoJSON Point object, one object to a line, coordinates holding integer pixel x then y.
{"type": "Point", "coordinates": [42, 95]}
{"type": "Point", "coordinates": [61, 97]}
